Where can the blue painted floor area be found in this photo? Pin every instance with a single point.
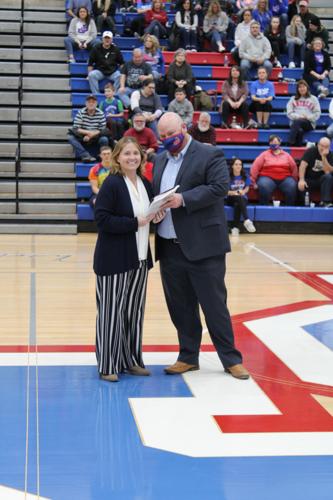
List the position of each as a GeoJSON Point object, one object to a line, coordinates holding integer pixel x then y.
{"type": "Point", "coordinates": [322, 331]}
{"type": "Point", "coordinates": [90, 448]}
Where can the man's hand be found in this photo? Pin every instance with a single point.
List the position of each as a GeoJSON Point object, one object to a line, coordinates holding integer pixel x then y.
{"type": "Point", "coordinates": [159, 216]}
{"type": "Point", "coordinates": [302, 185]}
{"type": "Point", "coordinates": [174, 201]}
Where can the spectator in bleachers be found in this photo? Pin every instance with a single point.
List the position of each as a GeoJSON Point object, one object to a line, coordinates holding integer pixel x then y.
{"type": "Point", "coordinates": [99, 172]}
{"type": "Point", "coordinates": [153, 56]}
{"type": "Point", "coordinates": [245, 4]}
{"type": "Point", "coordinates": [234, 94]}
{"type": "Point", "coordinates": [144, 135]}
{"type": "Point", "coordinates": [104, 12]}
{"type": "Point", "coordinates": [316, 171]}
{"type": "Point", "coordinates": [276, 36]}
{"type": "Point", "coordinates": [89, 129]}
{"type": "Point", "coordinates": [133, 74]}
{"type": "Point", "coordinates": [182, 106]}
{"type": "Point", "coordinates": [180, 75]}
{"type": "Point", "coordinates": [304, 12]}
{"type": "Point", "coordinates": [329, 130]}
{"type": "Point", "coordinates": [254, 51]}
{"type": "Point", "coordinates": [279, 8]}
{"type": "Point", "coordinates": [317, 66]}
{"type": "Point", "coordinates": [149, 103]}
{"type": "Point", "coordinates": [303, 111]}
{"type": "Point", "coordinates": [316, 30]}
{"type": "Point", "coordinates": [237, 196]}
{"type": "Point", "coordinates": [295, 35]}
{"type": "Point", "coordinates": [104, 62]}
{"type": "Point", "coordinates": [203, 130]}
{"type": "Point", "coordinates": [262, 14]}
{"type": "Point", "coordinates": [72, 7]}
{"type": "Point", "coordinates": [156, 19]}
{"type": "Point", "coordinates": [82, 34]}
{"type": "Point", "coordinates": [187, 22]}
{"type": "Point", "coordinates": [262, 93]}
{"type": "Point", "coordinates": [275, 169]}
{"type": "Point", "coordinates": [242, 32]}
{"type": "Point", "coordinates": [215, 26]}
{"type": "Point", "coordinates": [113, 110]}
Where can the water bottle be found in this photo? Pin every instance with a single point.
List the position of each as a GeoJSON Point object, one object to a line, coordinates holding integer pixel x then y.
{"type": "Point", "coordinates": [307, 199]}
{"type": "Point", "coordinates": [226, 60]}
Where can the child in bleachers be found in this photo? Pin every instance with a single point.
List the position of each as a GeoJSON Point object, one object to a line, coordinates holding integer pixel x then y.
{"type": "Point", "coordinates": [113, 110]}
{"type": "Point", "coordinates": [295, 36]}
{"type": "Point", "coordinates": [237, 196]}
{"type": "Point", "coordinates": [182, 106]}
{"type": "Point", "coordinates": [262, 94]}
{"type": "Point", "coordinates": [99, 172]}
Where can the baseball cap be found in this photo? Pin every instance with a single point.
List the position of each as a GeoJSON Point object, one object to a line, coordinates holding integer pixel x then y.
{"type": "Point", "coordinates": [91, 96]}
{"type": "Point", "coordinates": [303, 3]}
{"type": "Point", "coordinates": [108, 33]}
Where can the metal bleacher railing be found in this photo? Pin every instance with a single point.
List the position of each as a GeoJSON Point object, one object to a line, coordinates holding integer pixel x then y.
{"type": "Point", "coordinates": [19, 115]}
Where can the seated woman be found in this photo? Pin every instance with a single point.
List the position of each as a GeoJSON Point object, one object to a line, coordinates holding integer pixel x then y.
{"type": "Point", "coordinates": [237, 196]}
{"type": "Point", "coordinates": [295, 37]}
{"type": "Point", "coordinates": [180, 75]}
{"type": "Point", "coordinates": [234, 95]}
{"type": "Point", "coordinates": [149, 103]}
{"type": "Point", "coordinates": [82, 33]}
{"type": "Point", "coordinates": [276, 36]}
{"type": "Point", "coordinates": [317, 66]}
{"type": "Point", "coordinates": [156, 19]}
{"type": "Point", "coordinates": [316, 30]}
{"type": "Point", "coordinates": [187, 22]}
{"type": "Point", "coordinates": [153, 55]}
{"type": "Point", "coordinates": [262, 94]}
{"type": "Point", "coordinates": [262, 14]}
{"type": "Point", "coordinates": [303, 111]}
{"type": "Point", "coordinates": [104, 12]}
{"type": "Point", "coordinates": [275, 169]}
{"type": "Point", "coordinates": [242, 32]}
{"type": "Point", "coordinates": [215, 26]}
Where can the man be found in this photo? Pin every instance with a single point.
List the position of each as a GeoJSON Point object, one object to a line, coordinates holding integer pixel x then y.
{"type": "Point", "coordinates": [191, 244]}
{"type": "Point", "coordinates": [182, 106]}
{"type": "Point", "coordinates": [144, 135]}
{"type": "Point", "coordinates": [149, 103]}
{"type": "Point", "coordinates": [316, 171]}
{"type": "Point", "coordinates": [203, 131]}
{"type": "Point", "coordinates": [305, 14]}
{"type": "Point", "coordinates": [88, 129]}
{"type": "Point", "coordinates": [104, 62]}
{"type": "Point", "coordinates": [133, 74]}
{"type": "Point", "coordinates": [255, 51]}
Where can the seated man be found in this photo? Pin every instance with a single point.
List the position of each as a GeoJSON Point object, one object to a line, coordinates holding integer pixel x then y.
{"type": "Point", "coordinates": [255, 51]}
{"type": "Point", "coordinates": [133, 74]}
{"type": "Point", "coordinates": [99, 172]}
{"type": "Point", "coordinates": [89, 128]}
{"type": "Point", "coordinates": [203, 130]}
{"type": "Point", "coordinates": [182, 106]}
{"type": "Point", "coordinates": [149, 103]}
{"type": "Point", "coordinates": [144, 135]}
{"type": "Point", "coordinates": [316, 171]}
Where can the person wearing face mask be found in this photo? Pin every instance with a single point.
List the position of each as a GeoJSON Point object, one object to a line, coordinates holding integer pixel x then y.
{"type": "Point", "coordinates": [275, 169]}
{"type": "Point", "coordinates": [203, 131]}
{"type": "Point", "coordinates": [191, 244]}
{"type": "Point", "coordinates": [144, 135]}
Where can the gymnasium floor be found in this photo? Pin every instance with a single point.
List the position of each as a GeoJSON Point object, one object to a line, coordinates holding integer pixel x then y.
{"type": "Point", "coordinates": [66, 435]}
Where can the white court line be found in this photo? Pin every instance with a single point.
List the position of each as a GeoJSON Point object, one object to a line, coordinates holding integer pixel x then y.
{"type": "Point", "coordinates": [253, 246]}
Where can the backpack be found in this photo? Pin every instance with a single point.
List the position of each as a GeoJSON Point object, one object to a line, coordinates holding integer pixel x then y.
{"type": "Point", "coordinates": [204, 101]}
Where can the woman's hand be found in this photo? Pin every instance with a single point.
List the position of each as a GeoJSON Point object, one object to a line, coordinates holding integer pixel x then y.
{"type": "Point", "coordinates": [159, 216]}
{"type": "Point", "coordinates": [142, 221]}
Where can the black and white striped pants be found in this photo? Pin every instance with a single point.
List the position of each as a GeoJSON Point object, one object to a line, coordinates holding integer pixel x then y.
{"type": "Point", "coordinates": [120, 311]}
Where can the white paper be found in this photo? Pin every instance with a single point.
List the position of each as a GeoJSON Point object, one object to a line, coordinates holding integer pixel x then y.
{"type": "Point", "coordinates": [160, 199]}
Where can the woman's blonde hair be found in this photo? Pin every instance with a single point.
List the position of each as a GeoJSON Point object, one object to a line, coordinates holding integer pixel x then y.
{"type": "Point", "coordinates": [156, 44]}
{"type": "Point", "coordinates": [210, 12]}
{"type": "Point", "coordinates": [293, 27]}
{"type": "Point", "coordinates": [115, 165]}
{"type": "Point", "coordinates": [266, 4]}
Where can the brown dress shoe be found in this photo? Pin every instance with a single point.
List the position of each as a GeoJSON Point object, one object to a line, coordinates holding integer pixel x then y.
{"type": "Point", "coordinates": [113, 377]}
{"type": "Point", "coordinates": [138, 370]}
{"type": "Point", "coordinates": [238, 371]}
{"type": "Point", "coordinates": [180, 367]}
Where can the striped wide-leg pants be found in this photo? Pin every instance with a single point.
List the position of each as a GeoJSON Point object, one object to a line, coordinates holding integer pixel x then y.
{"type": "Point", "coordinates": [120, 310]}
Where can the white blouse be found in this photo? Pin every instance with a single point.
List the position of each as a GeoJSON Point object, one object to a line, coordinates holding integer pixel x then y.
{"type": "Point", "coordinates": [140, 203]}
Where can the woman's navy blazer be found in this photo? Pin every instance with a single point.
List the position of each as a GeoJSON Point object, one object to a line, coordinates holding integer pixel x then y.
{"type": "Point", "coordinates": [116, 250]}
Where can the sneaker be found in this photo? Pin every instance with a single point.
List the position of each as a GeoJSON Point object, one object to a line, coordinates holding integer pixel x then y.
{"type": "Point", "coordinates": [278, 64]}
{"type": "Point", "coordinates": [323, 91]}
{"type": "Point", "coordinates": [248, 224]}
{"type": "Point", "coordinates": [292, 65]}
{"type": "Point", "coordinates": [326, 204]}
{"type": "Point", "coordinates": [88, 159]}
{"type": "Point", "coordinates": [235, 231]}
{"type": "Point", "coordinates": [71, 59]}
{"type": "Point", "coordinates": [221, 49]}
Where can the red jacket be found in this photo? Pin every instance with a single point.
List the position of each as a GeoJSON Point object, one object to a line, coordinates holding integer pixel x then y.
{"type": "Point", "coordinates": [152, 15]}
{"type": "Point", "coordinates": [277, 167]}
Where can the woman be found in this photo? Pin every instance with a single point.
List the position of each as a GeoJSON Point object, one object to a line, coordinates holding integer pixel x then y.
{"type": "Point", "coordinates": [121, 262]}
{"type": "Point", "coordinates": [303, 111]}
{"type": "Point", "coordinates": [262, 14]}
{"type": "Point", "coordinates": [295, 36]}
{"type": "Point", "coordinates": [242, 32]}
{"type": "Point", "coordinates": [275, 169]}
{"type": "Point", "coordinates": [82, 33]}
{"type": "Point", "coordinates": [237, 196]}
{"type": "Point", "coordinates": [276, 37]}
{"type": "Point", "coordinates": [262, 94]}
{"type": "Point", "coordinates": [104, 12]}
{"type": "Point", "coordinates": [215, 26]}
{"type": "Point", "coordinates": [317, 66]}
{"type": "Point", "coordinates": [316, 30]}
{"type": "Point", "coordinates": [180, 75]}
{"type": "Point", "coordinates": [153, 56]}
{"type": "Point", "coordinates": [187, 22]}
{"type": "Point", "coordinates": [156, 19]}
{"type": "Point", "coordinates": [234, 95]}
